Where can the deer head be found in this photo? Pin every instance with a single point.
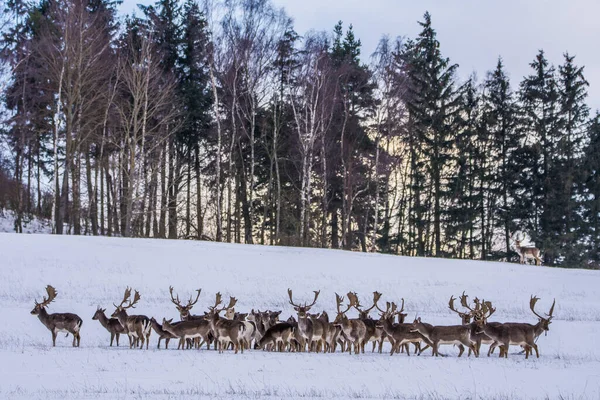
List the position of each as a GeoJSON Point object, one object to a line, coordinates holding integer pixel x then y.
{"type": "Point", "coordinates": [341, 315]}
{"type": "Point", "coordinates": [122, 307]}
{"type": "Point", "coordinates": [184, 310]}
{"type": "Point", "coordinates": [303, 309]}
{"type": "Point", "coordinates": [99, 313]}
{"type": "Point", "coordinates": [544, 321]}
{"type": "Point", "coordinates": [45, 302]}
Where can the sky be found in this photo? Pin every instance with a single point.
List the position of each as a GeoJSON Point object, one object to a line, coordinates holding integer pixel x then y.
{"type": "Point", "coordinates": [472, 33]}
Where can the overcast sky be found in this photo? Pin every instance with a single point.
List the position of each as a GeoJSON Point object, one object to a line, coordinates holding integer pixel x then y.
{"type": "Point", "coordinates": [472, 33]}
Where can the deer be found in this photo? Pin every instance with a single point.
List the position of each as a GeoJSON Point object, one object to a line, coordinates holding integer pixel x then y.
{"type": "Point", "coordinates": [137, 327]}
{"type": "Point", "coordinates": [187, 330]}
{"type": "Point", "coordinates": [58, 322]}
{"type": "Point", "coordinates": [476, 336]}
{"type": "Point", "coordinates": [162, 333]}
{"type": "Point", "coordinates": [374, 333]}
{"type": "Point", "coordinates": [278, 337]}
{"type": "Point", "coordinates": [400, 335]}
{"type": "Point", "coordinates": [526, 252]}
{"type": "Point", "coordinates": [226, 330]}
{"type": "Point", "coordinates": [353, 330]}
{"type": "Point", "coordinates": [249, 326]}
{"type": "Point", "coordinates": [522, 334]}
{"type": "Point", "coordinates": [310, 329]}
{"type": "Point", "coordinates": [454, 334]}
{"type": "Point", "coordinates": [112, 325]}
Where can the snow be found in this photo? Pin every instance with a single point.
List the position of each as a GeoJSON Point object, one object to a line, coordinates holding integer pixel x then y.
{"type": "Point", "coordinates": [91, 271]}
{"type": "Point", "coordinates": [30, 224]}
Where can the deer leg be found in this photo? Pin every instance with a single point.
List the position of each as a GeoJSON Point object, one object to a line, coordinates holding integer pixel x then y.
{"type": "Point", "coordinates": [53, 339]}
{"type": "Point", "coordinates": [117, 336]}
{"type": "Point", "coordinates": [112, 337]}
{"type": "Point", "coordinates": [506, 346]}
{"type": "Point", "coordinates": [461, 349]}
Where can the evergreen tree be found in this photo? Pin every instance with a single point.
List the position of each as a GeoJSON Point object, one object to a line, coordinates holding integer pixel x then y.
{"type": "Point", "coordinates": [433, 104]}
{"type": "Point", "coordinates": [591, 194]}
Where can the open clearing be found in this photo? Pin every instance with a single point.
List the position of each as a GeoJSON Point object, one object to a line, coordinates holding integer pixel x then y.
{"type": "Point", "coordinates": [89, 271]}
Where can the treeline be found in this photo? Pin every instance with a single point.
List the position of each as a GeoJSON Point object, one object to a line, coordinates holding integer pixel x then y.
{"type": "Point", "coordinates": [217, 120]}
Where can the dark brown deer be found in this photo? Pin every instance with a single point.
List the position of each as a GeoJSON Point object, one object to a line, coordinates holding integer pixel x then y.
{"type": "Point", "coordinates": [58, 322]}
{"type": "Point", "coordinates": [162, 333]}
{"type": "Point", "coordinates": [477, 336]}
{"type": "Point", "coordinates": [137, 327]}
{"type": "Point", "coordinates": [187, 331]}
{"type": "Point", "coordinates": [112, 325]}
{"type": "Point", "coordinates": [400, 335]}
{"type": "Point", "coordinates": [278, 337]}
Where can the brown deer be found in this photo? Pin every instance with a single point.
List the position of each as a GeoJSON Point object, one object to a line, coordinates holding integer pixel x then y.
{"type": "Point", "coordinates": [353, 330]}
{"type": "Point", "coordinates": [454, 334]}
{"type": "Point", "coordinates": [477, 336]}
{"type": "Point", "coordinates": [522, 334]}
{"type": "Point", "coordinates": [187, 331]}
{"type": "Point", "coordinates": [310, 329]}
{"type": "Point", "coordinates": [374, 333]}
{"type": "Point", "coordinates": [526, 252]}
{"type": "Point", "coordinates": [57, 322]}
{"type": "Point", "coordinates": [112, 325]}
{"type": "Point", "coordinates": [137, 327]}
{"type": "Point", "coordinates": [226, 330]}
{"type": "Point", "coordinates": [162, 333]}
{"type": "Point", "coordinates": [400, 335]}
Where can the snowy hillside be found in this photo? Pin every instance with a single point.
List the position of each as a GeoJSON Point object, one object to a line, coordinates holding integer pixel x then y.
{"type": "Point", "coordinates": [30, 224]}
{"type": "Point", "coordinates": [88, 271]}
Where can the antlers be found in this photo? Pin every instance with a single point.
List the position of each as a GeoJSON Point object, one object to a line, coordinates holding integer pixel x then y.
{"type": "Point", "coordinates": [339, 300]}
{"type": "Point", "coordinates": [51, 296]}
{"type": "Point", "coordinates": [305, 305]}
{"type": "Point", "coordinates": [532, 303]}
{"type": "Point", "coordinates": [353, 297]}
{"type": "Point", "coordinates": [190, 303]}
{"type": "Point", "coordinates": [126, 297]}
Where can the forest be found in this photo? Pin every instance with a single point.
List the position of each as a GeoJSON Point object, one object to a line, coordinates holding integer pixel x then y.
{"type": "Point", "coordinates": [216, 120]}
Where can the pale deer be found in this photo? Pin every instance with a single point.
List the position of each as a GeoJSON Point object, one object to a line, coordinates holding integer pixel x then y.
{"type": "Point", "coordinates": [522, 334]}
{"type": "Point", "coordinates": [354, 330]}
{"type": "Point", "coordinates": [527, 252]}
{"type": "Point", "coordinates": [226, 330]}
{"type": "Point", "coordinates": [137, 327]}
{"type": "Point", "coordinates": [112, 325]}
{"type": "Point", "coordinates": [454, 334]}
{"type": "Point", "coordinates": [311, 329]}
{"type": "Point", "coordinates": [58, 322]}
{"type": "Point", "coordinates": [250, 330]}
{"type": "Point", "coordinates": [162, 333]}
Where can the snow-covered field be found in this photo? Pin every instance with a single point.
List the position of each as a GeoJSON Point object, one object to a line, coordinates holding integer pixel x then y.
{"type": "Point", "coordinates": [88, 271]}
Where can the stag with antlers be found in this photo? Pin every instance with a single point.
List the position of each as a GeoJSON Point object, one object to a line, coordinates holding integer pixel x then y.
{"type": "Point", "coordinates": [310, 329]}
{"type": "Point", "coordinates": [514, 333]}
{"type": "Point", "coordinates": [400, 335]}
{"type": "Point", "coordinates": [477, 336]}
{"type": "Point", "coordinates": [526, 252]}
{"type": "Point", "coordinates": [57, 322]}
{"type": "Point", "coordinates": [354, 330]}
{"type": "Point", "coordinates": [137, 327]}
{"type": "Point", "coordinates": [374, 333]}
{"type": "Point", "coordinates": [226, 330]}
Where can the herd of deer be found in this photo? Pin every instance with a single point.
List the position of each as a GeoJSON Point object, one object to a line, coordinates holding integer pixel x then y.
{"type": "Point", "coordinates": [308, 332]}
